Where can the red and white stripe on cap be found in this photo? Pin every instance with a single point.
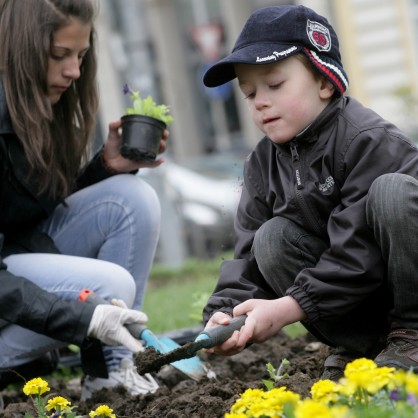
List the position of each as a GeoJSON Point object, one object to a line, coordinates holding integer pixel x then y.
{"type": "Point", "coordinates": [332, 71]}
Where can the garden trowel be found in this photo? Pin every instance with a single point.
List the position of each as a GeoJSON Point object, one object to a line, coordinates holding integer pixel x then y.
{"type": "Point", "coordinates": [159, 344]}
{"type": "Point", "coordinates": [206, 339]}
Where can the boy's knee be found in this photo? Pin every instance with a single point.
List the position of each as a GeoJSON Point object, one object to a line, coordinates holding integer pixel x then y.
{"type": "Point", "coordinates": [391, 187]}
{"type": "Point", "coordinates": [389, 195]}
{"type": "Point", "coordinates": [270, 237]}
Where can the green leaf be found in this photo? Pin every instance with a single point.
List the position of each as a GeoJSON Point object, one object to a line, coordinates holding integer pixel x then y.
{"type": "Point", "coordinates": [268, 384]}
{"type": "Point", "coordinates": [148, 107]}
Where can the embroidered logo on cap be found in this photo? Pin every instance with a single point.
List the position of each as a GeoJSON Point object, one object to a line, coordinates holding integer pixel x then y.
{"type": "Point", "coordinates": [318, 35]}
{"type": "Point", "coordinates": [277, 55]}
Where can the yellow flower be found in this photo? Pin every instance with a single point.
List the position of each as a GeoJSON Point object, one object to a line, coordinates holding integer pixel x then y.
{"type": "Point", "coordinates": [59, 404]}
{"type": "Point", "coordinates": [283, 396]}
{"type": "Point", "coordinates": [405, 378]}
{"type": "Point", "coordinates": [365, 375]}
{"type": "Point", "coordinates": [102, 411]}
{"type": "Point", "coordinates": [341, 411]}
{"type": "Point", "coordinates": [325, 391]}
{"type": "Point", "coordinates": [36, 386]}
{"type": "Point", "coordinates": [359, 365]}
{"type": "Point", "coordinates": [249, 397]}
{"type": "Point", "coordinates": [257, 403]}
{"type": "Point", "coordinates": [310, 408]}
{"type": "Point", "coordinates": [235, 415]}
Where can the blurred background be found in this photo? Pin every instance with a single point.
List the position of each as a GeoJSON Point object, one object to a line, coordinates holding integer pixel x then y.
{"type": "Point", "coordinates": [162, 48]}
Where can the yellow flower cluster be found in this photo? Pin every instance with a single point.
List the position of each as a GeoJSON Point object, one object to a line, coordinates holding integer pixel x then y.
{"type": "Point", "coordinates": [257, 403]}
{"type": "Point", "coordinates": [60, 406]}
{"type": "Point", "coordinates": [365, 386]}
{"type": "Point", "coordinates": [363, 374]}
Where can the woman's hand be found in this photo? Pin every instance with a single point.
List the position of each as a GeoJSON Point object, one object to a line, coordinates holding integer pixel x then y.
{"type": "Point", "coordinates": [265, 318]}
{"type": "Point", "coordinates": [108, 324]}
{"type": "Point", "coordinates": [114, 160]}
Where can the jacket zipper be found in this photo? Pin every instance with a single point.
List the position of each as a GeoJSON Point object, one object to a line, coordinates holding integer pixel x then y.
{"type": "Point", "coordinates": [298, 189]}
{"type": "Point", "coordinates": [296, 163]}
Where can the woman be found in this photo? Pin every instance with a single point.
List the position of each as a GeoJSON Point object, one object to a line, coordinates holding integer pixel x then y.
{"type": "Point", "coordinates": [67, 223]}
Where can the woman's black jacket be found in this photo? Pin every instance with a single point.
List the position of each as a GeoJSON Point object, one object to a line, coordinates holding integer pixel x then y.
{"type": "Point", "coordinates": [21, 209]}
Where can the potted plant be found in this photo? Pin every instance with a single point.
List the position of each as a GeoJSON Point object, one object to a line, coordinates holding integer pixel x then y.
{"type": "Point", "coordinates": [142, 127]}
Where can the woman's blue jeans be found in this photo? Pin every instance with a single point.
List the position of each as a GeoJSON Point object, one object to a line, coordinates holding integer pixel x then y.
{"type": "Point", "coordinates": [107, 235]}
{"type": "Point", "coordinates": [282, 249]}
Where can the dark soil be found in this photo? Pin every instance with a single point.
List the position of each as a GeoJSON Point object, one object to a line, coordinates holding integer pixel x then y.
{"type": "Point", "coordinates": [181, 397]}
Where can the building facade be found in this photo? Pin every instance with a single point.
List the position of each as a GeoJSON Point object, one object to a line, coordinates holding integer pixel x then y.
{"type": "Point", "coordinates": [162, 48]}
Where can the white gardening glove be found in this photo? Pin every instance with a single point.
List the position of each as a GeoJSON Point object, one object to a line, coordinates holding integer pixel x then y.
{"type": "Point", "coordinates": [107, 325]}
{"type": "Point", "coordinates": [120, 303]}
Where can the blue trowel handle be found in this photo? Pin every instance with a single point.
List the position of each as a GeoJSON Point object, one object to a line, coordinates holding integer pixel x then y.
{"type": "Point", "coordinates": [219, 334]}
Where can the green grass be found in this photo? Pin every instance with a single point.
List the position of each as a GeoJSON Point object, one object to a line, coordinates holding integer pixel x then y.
{"type": "Point", "coordinates": [175, 297]}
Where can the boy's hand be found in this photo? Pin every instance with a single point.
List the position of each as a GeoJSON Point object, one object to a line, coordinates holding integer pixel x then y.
{"type": "Point", "coordinates": [265, 318]}
{"type": "Point", "coordinates": [229, 347]}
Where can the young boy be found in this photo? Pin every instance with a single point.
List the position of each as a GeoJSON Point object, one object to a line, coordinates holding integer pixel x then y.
{"type": "Point", "coordinates": [326, 229]}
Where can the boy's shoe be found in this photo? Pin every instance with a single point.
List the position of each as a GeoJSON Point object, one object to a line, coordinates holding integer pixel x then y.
{"type": "Point", "coordinates": [335, 363]}
{"type": "Point", "coordinates": [126, 376]}
{"type": "Point", "coordinates": [401, 351]}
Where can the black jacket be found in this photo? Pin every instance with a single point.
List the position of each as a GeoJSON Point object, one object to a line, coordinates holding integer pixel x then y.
{"type": "Point", "coordinates": [320, 181]}
{"type": "Point", "coordinates": [21, 210]}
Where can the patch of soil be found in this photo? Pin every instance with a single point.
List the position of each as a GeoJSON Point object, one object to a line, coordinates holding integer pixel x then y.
{"type": "Point", "coordinates": [181, 397]}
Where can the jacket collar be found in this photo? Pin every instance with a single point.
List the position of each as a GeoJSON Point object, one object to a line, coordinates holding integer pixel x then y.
{"type": "Point", "coordinates": [5, 121]}
{"type": "Point", "coordinates": [309, 134]}
{"type": "Point", "coordinates": [326, 116]}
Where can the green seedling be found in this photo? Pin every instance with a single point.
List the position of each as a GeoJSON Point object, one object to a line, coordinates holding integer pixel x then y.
{"type": "Point", "coordinates": [147, 107]}
{"type": "Point", "coordinates": [275, 374]}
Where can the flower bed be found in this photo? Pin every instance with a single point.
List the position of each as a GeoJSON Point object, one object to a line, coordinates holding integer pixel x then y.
{"type": "Point", "coordinates": [385, 395]}
{"type": "Point", "coordinates": [365, 391]}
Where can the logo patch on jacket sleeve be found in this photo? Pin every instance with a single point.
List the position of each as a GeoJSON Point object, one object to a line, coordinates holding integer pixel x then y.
{"type": "Point", "coordinates": [318, 35]}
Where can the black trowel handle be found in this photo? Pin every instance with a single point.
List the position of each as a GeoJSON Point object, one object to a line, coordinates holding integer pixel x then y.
{"type": "Point", "coordinates": [219, 334]}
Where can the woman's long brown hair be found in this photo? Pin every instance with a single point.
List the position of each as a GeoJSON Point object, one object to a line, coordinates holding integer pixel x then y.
{"type": "Point", "coordinates": [55, 138]}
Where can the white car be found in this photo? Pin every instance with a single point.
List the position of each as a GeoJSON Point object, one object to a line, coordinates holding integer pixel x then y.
{"type": "Point", "coordinates": [199, 200]}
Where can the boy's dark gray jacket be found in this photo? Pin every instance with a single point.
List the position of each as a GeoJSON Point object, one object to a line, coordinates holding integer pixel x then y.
{"type": "Point", "coordinates": [21, 210]}
{"type": "Point", "coordinates": [320, 181]}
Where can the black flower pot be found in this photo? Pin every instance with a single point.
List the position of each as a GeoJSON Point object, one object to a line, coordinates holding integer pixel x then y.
{"type": "Point", "coordinates": [141, 136]}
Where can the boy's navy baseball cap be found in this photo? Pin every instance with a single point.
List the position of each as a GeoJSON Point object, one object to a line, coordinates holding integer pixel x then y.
{"type": "Point", "coordinates": [274, 33]}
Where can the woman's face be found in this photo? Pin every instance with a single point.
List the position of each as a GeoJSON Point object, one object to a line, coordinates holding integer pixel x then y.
{"type": "Point", "coordinates": [69, 46]}
{"type": "Point", "coordinates": [283, 97]}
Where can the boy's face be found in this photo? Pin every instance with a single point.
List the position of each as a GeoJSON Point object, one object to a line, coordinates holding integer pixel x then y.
{"type": "Point", "coordinates": [283, 97]}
